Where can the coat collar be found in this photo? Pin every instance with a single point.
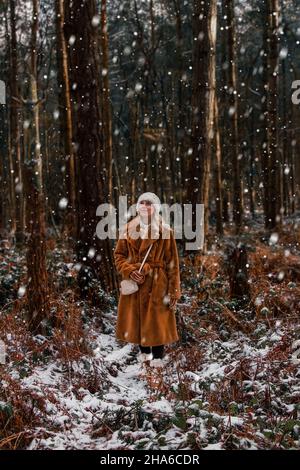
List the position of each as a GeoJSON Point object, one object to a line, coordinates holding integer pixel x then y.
{"type": "Point", "coordinates": [133, 227]}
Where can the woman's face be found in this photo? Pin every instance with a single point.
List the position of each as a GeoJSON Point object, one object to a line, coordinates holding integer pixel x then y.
{"type": "Point", "coordinates": [146, 208]}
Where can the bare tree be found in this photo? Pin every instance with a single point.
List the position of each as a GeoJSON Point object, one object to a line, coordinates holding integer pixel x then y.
{"type": "Point", "coordinates": [15, 147]}
{"type": "Point", "coordinates": [65, 115]}
{"type": "Point", "coordinates": [203, 97]}
{"type": "Point", "coordinates": [106, 106]}
{"type": "Point", "coordinates": [273, 191]}
{"type": "Point", "coordinates": [37, 289]}
{"type": "Point", "coordinates": [233, 115]}
{"type": "Point", "coordinates": [91, 171]}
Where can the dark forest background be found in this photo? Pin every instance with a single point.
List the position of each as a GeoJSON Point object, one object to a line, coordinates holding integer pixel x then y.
{"type": "Point", "coordinates": [191, 100]}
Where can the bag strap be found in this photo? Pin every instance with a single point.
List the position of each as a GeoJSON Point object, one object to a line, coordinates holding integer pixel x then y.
{"type": "Point", "coordinates": [141, 267]}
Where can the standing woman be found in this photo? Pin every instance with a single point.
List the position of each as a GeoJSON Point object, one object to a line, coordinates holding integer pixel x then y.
{"type": "Point", "coordinates": [147, 316]}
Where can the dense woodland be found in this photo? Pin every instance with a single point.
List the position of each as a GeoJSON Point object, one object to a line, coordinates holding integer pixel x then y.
{"type": "Point", "coordinates": [191, 100]}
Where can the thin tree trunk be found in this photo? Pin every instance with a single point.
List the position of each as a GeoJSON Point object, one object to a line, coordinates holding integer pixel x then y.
{"type": "Point", "coordinates": [233, 114]}
{"type": "Point", "coordinates": [65, 116]}
{"type": "Point", "coordinates": [15, 147]}
{"type": "Point", "coordinates": [265, 164]}
{"type": "Point", "coordinates": [292, 162]}
{"type": "Point", "coordinates": [106, 109]}
{"type": "Point", "coordinates": [37, 289]}
{"type": "Point", "coordinates": [218, 176]}
{"type": "Point", "coordinates": [226, 169]}
{"type": "Point", "coordinates": [252, 166]}
{"type": "Point", "coordinates": [274, 189]}
{"type": "Point", "coordinates": [180, 121]}
{"type": "Point", "coordinates": [11, 156]}
{"type": "Point", "coordinates": [286, 166]}
{"type": "Point", "coordinates": [203, 96]}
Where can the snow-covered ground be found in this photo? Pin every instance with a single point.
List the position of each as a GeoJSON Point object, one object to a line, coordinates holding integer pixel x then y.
{"type": "Point", "coordinates": [221, 387]}
{"type": "Point", "coordinates": [104, 400]}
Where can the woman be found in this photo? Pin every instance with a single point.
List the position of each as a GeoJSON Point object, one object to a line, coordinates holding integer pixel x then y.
{"type": "Point", "coordinates": [147, 317]}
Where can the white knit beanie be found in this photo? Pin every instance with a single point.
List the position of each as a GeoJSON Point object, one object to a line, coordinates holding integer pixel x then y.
{"type": "Point", "coordinates": [148, 196]}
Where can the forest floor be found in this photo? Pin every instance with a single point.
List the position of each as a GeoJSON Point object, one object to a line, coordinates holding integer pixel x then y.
{"type": "Point", "coordinates": [232, 382]}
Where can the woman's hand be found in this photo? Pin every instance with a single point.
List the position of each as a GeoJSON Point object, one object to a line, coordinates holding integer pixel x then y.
{"type": "Point", "coordinates": [173, 302]}
{"type": "Point", "coordinates": [139, 278]}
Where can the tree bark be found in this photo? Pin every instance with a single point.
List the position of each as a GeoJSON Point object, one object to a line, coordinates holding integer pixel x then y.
{"type": "Point", "coordinates": [274, 216]}
{"type": "Point", "coordinates": [15, 147]}
{"type": "Point", "coordinates": [94, 254]}
{"type": "Point", "coordinates": [65, 115]}
{"type": "Point", "coordinates": [203, 96]}
{"type": "Point", "coordinates": [106, 108]}
{"type": "Point", "coordinates": [233, 116]}
{"type": "Point", "coordinates": [37, 289]}
{"type": "Point", "coordinates": [218, 175]}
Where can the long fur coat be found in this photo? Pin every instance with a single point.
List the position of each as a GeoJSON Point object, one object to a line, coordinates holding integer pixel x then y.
{"type": "Point", "coordinates": [145, 317]}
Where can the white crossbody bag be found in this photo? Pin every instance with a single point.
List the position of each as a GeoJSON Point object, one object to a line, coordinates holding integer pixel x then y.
{"type": "Point", "coordinates": [129, 286]}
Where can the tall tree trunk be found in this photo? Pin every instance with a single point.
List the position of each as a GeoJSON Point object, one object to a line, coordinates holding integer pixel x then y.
{"type": "Point", "coordinates": [218, 175]}
{"type": "Point", "coordinates": [226, 169]}
{"type": "Point", "coordinates": [37, 289]}
{"type": "Point", "coordinates": [292, 161]}
{"type": "Point", "coordinates": [274, 183]}
{"type": "Point", "coordinates": [233, 114]}
{"type": "Point", "coordinates": [65, 116]}
{"type": "Point", "coordinates": [93, 253]}
{"type": "Point", "coordinates": [106, 108]}
{"type": "Point", "coordinates": [180, 121]}
{"type": "Point", "coordinates": [285, 149]}
{"type": "Point", "coordinates": [265, 164]}
{"type": "Point", "coordinates": [16, 190]}
{"type": "Point", "coordinates": [252, 166]}
{"type": "Point", "coordinates": [10, 145]}
{"type": "Point", "coordinates": [203, 95]}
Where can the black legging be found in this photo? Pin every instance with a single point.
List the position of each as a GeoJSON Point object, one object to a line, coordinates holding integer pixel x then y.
{"type": "Point", "coordinates": [157, 351]}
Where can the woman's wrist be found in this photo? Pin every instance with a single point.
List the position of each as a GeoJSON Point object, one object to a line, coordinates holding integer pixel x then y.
{"type": "Point", "coordinates": [174, 296]}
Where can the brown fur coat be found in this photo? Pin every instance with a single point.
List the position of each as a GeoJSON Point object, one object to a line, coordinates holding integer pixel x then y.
{"type": "Point", "coordinates": [145, 317]}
